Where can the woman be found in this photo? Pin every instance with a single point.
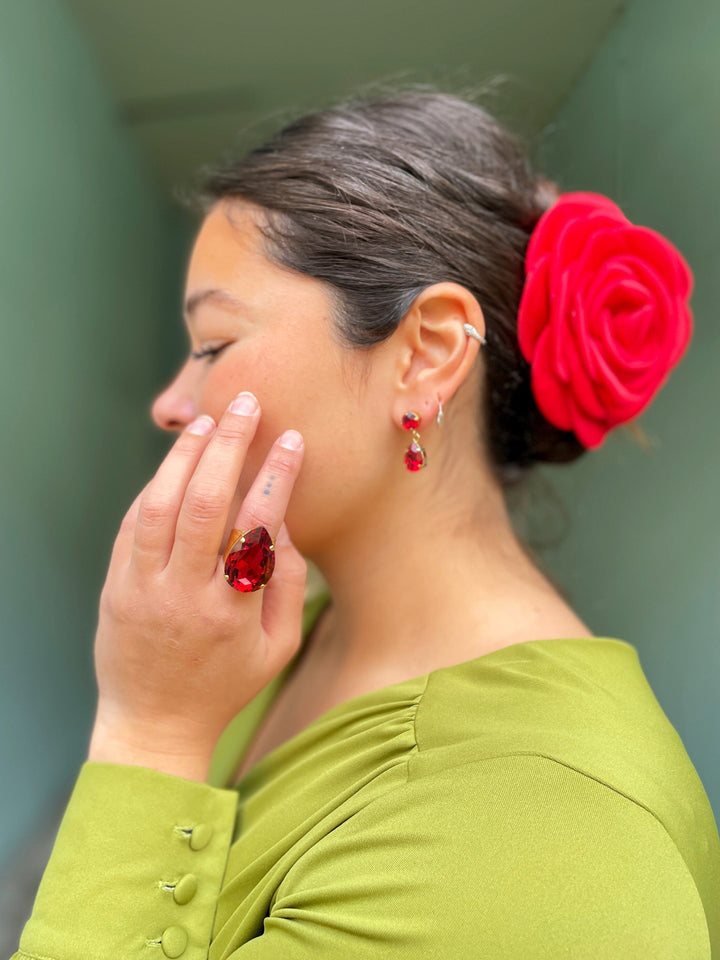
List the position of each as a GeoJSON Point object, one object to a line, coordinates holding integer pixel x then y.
{"type": "Point", "coordinates": [434, 756]}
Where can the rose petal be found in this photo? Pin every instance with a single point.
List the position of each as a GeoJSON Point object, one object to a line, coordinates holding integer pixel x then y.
{"type": "Point", "coordinates": [534, 309]}
{"type": "Point", "coordinates": [684, 277]}
{"type": "Point", "coordinates": [603, 248]}
{"type": "Point", "coordinates": [572, 205]}
{"type": "Point", "coordinates": [621, 400]}
{"type": "Point", "coordinates": [559, 309]}
{"type": "Point", "coordinates": [590, 433]}
{"type": "Point", "coordinates": [582, 336]}
{"type": "Point", "coordinates": [683, 333]}
{"type": "Point", "coordinates": [583, 389]}
{"type": "Point", "coordinates": [624, 336]}
{"type": "Point", "coordinates": [652, 247]}
{"type": "Point", "coordinates": [665, 314]}
{"type": "Point", "coordinates": [607, 278]}
{"type": "Point", "coordinates": [550, 396]}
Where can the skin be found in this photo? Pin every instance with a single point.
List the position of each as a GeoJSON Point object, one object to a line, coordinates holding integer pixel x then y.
{"type": "Point", "coordinates": [424, 568]}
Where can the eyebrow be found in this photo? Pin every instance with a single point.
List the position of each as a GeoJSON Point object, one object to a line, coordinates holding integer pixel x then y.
{"type": "Point", "coordinates": [212, 295]}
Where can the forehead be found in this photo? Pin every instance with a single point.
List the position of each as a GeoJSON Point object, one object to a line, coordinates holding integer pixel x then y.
{"type": "Point", "coordinates": [229, 255]}
{"type": "Point", "coordinates": [228, 238]}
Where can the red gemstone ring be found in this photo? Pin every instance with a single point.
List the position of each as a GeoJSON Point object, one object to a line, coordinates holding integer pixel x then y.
{"type": "Point", "coordinates": [249, 559]}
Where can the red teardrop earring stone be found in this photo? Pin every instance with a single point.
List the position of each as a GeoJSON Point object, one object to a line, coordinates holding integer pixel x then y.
{"type": "Point", "coordinates": [410, 420]}
{"type": "Point", "coordinates": [251, 562]}
{"type": "Point", "coordinates": [415, 456]}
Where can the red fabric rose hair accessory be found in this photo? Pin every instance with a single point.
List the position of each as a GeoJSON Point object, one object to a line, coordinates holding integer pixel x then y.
{"type": "Point", "coordinates": [603, 315]}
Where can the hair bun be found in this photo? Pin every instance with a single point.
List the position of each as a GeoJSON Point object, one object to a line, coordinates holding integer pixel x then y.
{"type": "Point", "coordinates": [547, 193]}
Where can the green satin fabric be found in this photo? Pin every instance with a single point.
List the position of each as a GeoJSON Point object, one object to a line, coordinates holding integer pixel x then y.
{"type": "Point", "coordinates": [534, 802]}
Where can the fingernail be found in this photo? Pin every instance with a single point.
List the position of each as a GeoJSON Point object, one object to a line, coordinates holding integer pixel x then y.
{"type": "Point", "coordinates": [291, 440]}
{"type": "Point", "coordinates": [203, 425]}
{"type": "Point", "coordinates": [244, 403]}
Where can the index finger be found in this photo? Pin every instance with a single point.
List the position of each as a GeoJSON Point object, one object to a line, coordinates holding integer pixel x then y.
{"type": "Point", "coordinates": [205, 507]}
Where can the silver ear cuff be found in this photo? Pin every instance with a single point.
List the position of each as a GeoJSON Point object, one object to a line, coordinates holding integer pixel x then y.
{"type": "Point", "coordinates": [472, 332]}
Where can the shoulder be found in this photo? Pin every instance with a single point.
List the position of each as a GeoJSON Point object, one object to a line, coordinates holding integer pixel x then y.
{"type": "Point", "coordinates": [518, 853]}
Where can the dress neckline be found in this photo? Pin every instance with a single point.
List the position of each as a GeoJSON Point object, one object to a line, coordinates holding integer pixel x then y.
{"type": "Point", "coordinates": [389, 691]}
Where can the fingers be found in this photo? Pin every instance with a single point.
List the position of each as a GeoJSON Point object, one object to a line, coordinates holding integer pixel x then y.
{"type": "Point", "coordinates": [122, 548]}
{"type": "Point", "coordinates": [203, 515]}
{"type": "Point", "coordinates": [265, 503]}
{"type": "Point", "coordinates": [283, 600]}
{"type": "Point", "coordinates": [155, 511]}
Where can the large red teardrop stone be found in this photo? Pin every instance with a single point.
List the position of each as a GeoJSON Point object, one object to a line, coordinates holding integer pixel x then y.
{"type": "Point", "coordinates": [250, 564]}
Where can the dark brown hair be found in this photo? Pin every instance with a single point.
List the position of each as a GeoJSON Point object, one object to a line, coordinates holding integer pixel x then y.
{"type": "Point", "coordinates": [381, 197]}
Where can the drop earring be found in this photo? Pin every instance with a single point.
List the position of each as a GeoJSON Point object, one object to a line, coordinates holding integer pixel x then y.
{"type": "Point", "coordinates": [415, 456]}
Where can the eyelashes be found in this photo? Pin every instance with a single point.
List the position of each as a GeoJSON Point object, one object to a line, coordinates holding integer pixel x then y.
{"type": "Point", "coordinates": [211, 354]}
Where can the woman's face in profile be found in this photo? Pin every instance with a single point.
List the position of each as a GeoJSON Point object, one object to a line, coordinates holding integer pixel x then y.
{"type": "Point", "coordinates": [275, 341]}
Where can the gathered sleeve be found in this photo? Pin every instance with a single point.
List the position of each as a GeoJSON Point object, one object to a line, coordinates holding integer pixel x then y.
{"type": "Point", "coordinates": [515, 858]}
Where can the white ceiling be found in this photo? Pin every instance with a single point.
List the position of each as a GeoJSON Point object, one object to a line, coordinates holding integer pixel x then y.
{"type": "Point", "coordinates": [193, 80]}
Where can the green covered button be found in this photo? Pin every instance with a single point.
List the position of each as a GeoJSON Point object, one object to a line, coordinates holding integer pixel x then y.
{"type": "Point", "coordinates": [200, 837]}
{"type": "Point", "coordinates": [185, 888]}
{"type": "Point", "coordinates": [173, 941]}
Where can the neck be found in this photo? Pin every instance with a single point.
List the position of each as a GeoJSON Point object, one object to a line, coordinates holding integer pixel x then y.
{"type": "Point", "coordinates": [425, 579]}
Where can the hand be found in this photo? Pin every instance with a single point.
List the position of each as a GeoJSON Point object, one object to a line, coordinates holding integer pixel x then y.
{"type": "Point", "coordinates": [178, 651]}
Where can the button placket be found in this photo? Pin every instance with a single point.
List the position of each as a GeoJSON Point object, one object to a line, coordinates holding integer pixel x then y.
{"type": "Point", "coordinates": [173, 941]}
{"type": "Point", "coordinates": [185, 889]}
{"type": "Point", "coordinates": [198, 836]}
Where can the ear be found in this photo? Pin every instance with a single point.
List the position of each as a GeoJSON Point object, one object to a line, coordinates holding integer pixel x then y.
{"type": "Point", "coordinates": [434, 353]}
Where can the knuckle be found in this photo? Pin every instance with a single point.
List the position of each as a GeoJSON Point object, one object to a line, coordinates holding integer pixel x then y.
{"type": "Point", "coordinates": [186, 444]}
{"type": "Point", "coordinates": [154, 512]}
{"type": "Point", "coordinates": [251, 518]}
{"type": "Point", "coordinates": [230, 434]}
{"type": "Point", "coordinates": [203, 503]}
{"type": "Point", "coordinates": [284, 466]}
{"type": "Point", "coordinates": [114, 603]}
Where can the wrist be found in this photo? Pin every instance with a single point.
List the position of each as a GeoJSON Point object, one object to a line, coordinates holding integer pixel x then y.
{"type": "Point", "coordinates": [124, 747]}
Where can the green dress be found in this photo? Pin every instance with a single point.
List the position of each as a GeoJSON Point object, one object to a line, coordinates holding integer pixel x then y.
{"type": "Point", "coordinates": [534, 803]}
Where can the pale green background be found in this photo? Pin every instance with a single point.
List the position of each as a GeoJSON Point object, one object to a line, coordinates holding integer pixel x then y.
{"type": "Point", "coordinates": [91, 273]}
{"type": "Point", "coordinates": [90, 259]}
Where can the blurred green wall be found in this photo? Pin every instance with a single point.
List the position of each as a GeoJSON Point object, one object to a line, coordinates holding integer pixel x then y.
{"type": "Point", "coordinates": [641, 560]}
{"type": "Point", "coordinates": [90, 261]}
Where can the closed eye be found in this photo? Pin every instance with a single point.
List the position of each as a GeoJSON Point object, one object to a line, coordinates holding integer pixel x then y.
{"type": "Point", "coordinates": [209, 352]}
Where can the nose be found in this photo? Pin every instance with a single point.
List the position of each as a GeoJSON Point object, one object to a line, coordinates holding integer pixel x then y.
{"type": "Point", "coordinates": [174, 408]}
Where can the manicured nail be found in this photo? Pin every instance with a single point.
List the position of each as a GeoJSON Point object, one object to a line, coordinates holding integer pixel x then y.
{"type": "Point", "coordinates": [203, 425]}
{"type": "Point", "coordinates": [291, 440]}
{"type": "Point", "coordinates": [245, 403]}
